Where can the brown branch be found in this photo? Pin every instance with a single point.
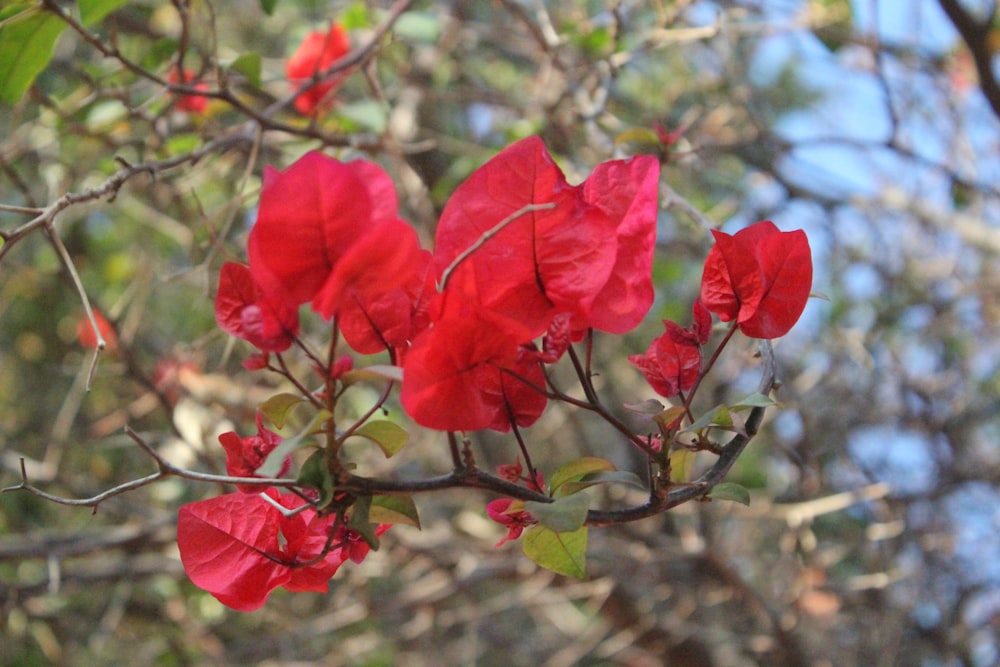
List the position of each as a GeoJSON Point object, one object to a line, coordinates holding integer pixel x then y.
{"type": "Point", "coordinates": [976, 35]}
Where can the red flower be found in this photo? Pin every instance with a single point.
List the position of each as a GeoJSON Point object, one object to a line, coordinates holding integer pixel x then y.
{"type": "Point", "coordinates": [760, 276]}
{"type": "Point", "coordinates": [242, 310]}
{"type": "Point", "coordinates": [85, 332]}
{"type": "Point", "coordinates": [670, 365]}
{"type": "Point", "coordinates": [453, 378]}
{"type": "Point", "coordinates": [556, 259]}
{"type": "Point", "coordinates": [239, 547]}
{"type": "Point", "coordinates": [327, 232]}
{"type": "Point", "coordinates": [245, 455]}
{"type": "Point", "coordinates": [317, 52]}
{"type": "Point", "coordinates": [516, 521]}
{"type": "Point", "coordinates": [190, 103]}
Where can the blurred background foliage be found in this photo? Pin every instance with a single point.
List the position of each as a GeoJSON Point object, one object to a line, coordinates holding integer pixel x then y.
{"type": "Point", "coordinates": [872, 537]}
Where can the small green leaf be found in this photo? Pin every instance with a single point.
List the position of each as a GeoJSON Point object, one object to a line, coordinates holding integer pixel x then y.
{"type": "Point", "coordinates": [562, 553]}
{"type": "Point", "coordinates": [268, 6]}
{"type": "Point", "coordinates": [576, 470]}
{"type": "Point", "coordinates": [681, 462]}
{"type": "Point", "coordinates": [670, 418]}
{"type": "Point", "coordinates": [277, 408]}
{"type": "Point", "coordinates": [368, 114]}
{"type": "Point", "coordinates": [272, 464]}
{"type": "Point", "coordinates": [248, 65]}
{"type": "Point", "coordinates": [355, 16]}
{"type": "Point", "coordinates": [563, 515]}
{"type": "Point", "coordinates": [28, 37]}
{"type": "Point", "coordinates": [419, 27]}
{"type": "Point", "coordinates": [394, 509]}
{"type": "Point", "coordinates": [717, 416]}
{"type": "Point", "coordinates": [754, 400]}
{"type": "Point", "coordinates": [315, 474]}
{"type": "Point", "coordinates": [391, 437]}
{"type": "Point", "coordinates": [730, 491]}
{"type": "Point", "coordinates": [603, 477]}
{"type": "Point", "coordinates": [93, 11]}
{"type": "Point", "coordinates": [361, 523]}
{"type": "Point", "coordinates": [372, 373]}
{"type": "Point", "coordinates": [647, 407]}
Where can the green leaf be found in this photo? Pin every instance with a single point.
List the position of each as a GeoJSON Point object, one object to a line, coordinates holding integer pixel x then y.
{"type": "Point", "coordinates": [648, 407]}
{"type": "Point", "coordinates": [272, 464]}
{"type": "Point", "coordinates": [563, 515]}
{"type": "Point", "coordinates": [277, 407]}
{"type": "Point", "coordinates": [603, 477]}
{"type": "Point", "coordinates": [717, 416]}
{"type": "Point", "coordinates": [93, 11]}
{"type": "Point", "coordinates": [419, 27]}
{"type": "Point", "coordinates": [28, 37]}
{"type": "Point", "coordinates": [268, 6]}
{"type": "Point", "coordinates": [562, 553]}
{"type": "Point", "coordinates": [248, 65]}
{"type": "Point", "coordinates": [391, 437]}
{"type": "Point", "coordinates": [361, 522]}
{"type": "Point", "coordinates": [681, 462]}
{"type": "Point", "coordinates": [670, 417]}
{"type": "Point", "coordinates": [372, 373]}
{"type": "Point", "coordinates": [730, 491]}
{"type": "Point", "coordinates": [576, 470]}
{"type": "Point", "coordinates": [315, 474]}
{"type": "Point", "coordinates": [355, 17]}
{"type": "Point", "coordinates": [754, 400]}
{"type": "Point", "coordinates": [394, 509]}
{"type": "Point", "coordinates": [368, 114]}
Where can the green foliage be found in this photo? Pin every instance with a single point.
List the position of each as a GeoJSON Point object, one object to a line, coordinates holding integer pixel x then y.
{"type": "Point", "coordinates": [562, 553]}
{"type": "Point", "coordinates": [28, 37]}
{"type": "Point", "coordinates": [389, 436]}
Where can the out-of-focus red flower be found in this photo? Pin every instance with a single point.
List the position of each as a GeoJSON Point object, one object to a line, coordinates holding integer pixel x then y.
{"type": "Point", "coordinates": [189, 103]}
{"type": "Point", "coordinates": [85, 332]}
{"type": "Point", "coordinates": [317, 52]}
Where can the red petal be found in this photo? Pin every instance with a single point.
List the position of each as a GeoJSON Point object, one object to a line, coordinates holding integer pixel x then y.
{"type": "Point", "coordinates": [627, 191]}
{"type": "Point", "coordinates": [786, 262]}
{"type": "Point", "coordinates": [241, 310]}
{"type": "Point", "coordinates": [441, 376]}
{"type": "Point", "coordinates": [309, 215]}
{"type": "Point", "coordinates": [541, 263]}
{"type": "Point", "coordinates": [731, 284]}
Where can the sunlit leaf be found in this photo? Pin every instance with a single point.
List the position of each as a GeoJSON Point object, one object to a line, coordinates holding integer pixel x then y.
{"type": "Point", "coordinates": [372, 373]}
{"type": "Point", "coordinates": [278, 407]}
{"type": "Point", "coordinates": [681, 462]}
{"type": "Point", "coordinates": [248, 64]}
{"type": "Point", "coordinates": [576, 470]}
{"type": "Point", "coordinates": [563, 515]}
{"type": "Point", "coordinates": [93, 11]}
{"type": "Point", "coordinates": [394, 509]}
{"type": "Point", "coordinates": [273, 462]}
{"type": "Point", "coordinates": [27, 41]}
{"type": "Point", "coordinates": [605, 477]}
{"type": "Point", "coordinates": [730, 491]}
{"type": "Point", "coordinates": [389, 436]}
{"type": "Point", "coordinates": [563, 553]}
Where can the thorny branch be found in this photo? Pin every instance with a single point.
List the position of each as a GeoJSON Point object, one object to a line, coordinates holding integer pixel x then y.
{"type": "Point", "coordinates": [464, 475]}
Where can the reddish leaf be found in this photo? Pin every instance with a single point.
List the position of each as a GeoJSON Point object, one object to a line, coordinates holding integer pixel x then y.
{"type": "Point", "coordinates": [760, 276]}
{"type": "Point", "coordinates": [542, 262]}
{"type": "Point", "coordinates": [245, 455]}
{"type": "Point", "coordinates": [670, 366]}
{"type": "Point", "coordinates": [225, 544]}
{"type": "Point", "coordinates": [317, 53]}
{"type": "Point", "coordinates": [448, 367]}
{"type": "Point", "coordinates": [374, 287]}
{"type": "Point", "coordinates": [309, 216]}
{"type": "Point", "coordinates": [242, 310]}
{"type": "Point", "coordinates": [786, 262]}
{"type": "Point", "coordinates": [626, 190]}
